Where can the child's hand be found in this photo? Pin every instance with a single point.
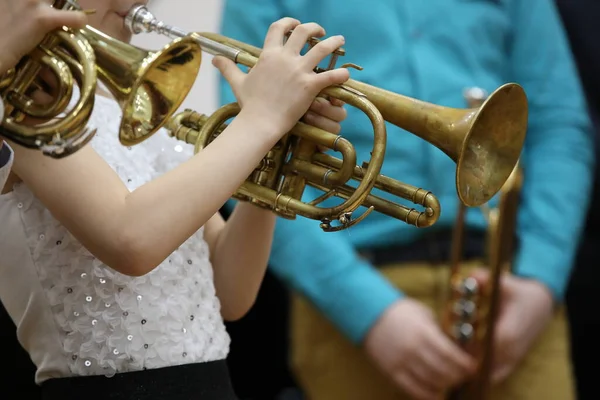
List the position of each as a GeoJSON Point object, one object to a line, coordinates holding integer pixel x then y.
{"type": "Point", "coordinates": [24, 23]}
{"type": "Point", "coordinates": [327, 115]}
{"type": "Point", "coordinates": [282, 85]}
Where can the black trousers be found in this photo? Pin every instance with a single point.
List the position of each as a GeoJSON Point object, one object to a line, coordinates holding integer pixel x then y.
{"type": "Point", "coordinates": [18, 378]}
{"type": "Point", "coordinates": [203, 381]}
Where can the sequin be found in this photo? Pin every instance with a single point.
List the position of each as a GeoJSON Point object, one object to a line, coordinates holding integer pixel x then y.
{"type": "Point", "coordinates": [42, 236]}
{"type": "Point", "coordinates": [146, 346]}
{"type": "Point", "coordinates": [190, 262]}
{"type": "Point", "coordinates": [139, 297]}
{"type": "Point", "coordinates": [130, 337]}
{"type": "Point", "coordinates": [191, 317]}
{"type": "Point", "coordinates": [20, 205]}
{"type": "Point", "coordinates": [94, 321]}
{"type": "Point", "coordinates": [58, 242]}
{"type": "Point", "coordinates": [184, 330]}
{"type": "Point", "coordinates": [88, 363]}
{"type": "Point", "coordinates": [69, 290]}
{"type": "Point", "coordinates": [143, 322]}
{"type": "Point", "coordinates": [184, 354]}
{"type": "Point", "coordinates": [115, 351]}
{"type": "Point", "coordinates": [106, 305]}
{"type": "Point", "coordinates": [88, 298]}
{"type": "Point", "coordinates": [83, 275]}
{"type": "Point", "coordinates": [73, 357]}
{"type": "Point", "coordinates": [102, 281]}
{"type": "Point", "coordinates": [76, 314]}
{"type": "Point", "coordinates": [125, 313]}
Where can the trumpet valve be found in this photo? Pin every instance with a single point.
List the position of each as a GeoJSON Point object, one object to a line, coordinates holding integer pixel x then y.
{"type": "Point", "coordinates": [465, 309]}
{"type": "Point", "coordinates": [468, 287]}
{"type": "Point", "coordinates": [463, 332]}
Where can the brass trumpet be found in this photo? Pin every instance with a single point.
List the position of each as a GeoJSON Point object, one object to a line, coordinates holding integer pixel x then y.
{"type": "Point", "coordinates": [274, 182]}
{"type": "Point", "coordinates": [472, 311]}
{"type": "Point", "coordinates": [143, 82]}
{"type": "Point", "coordinates": [485, 143]}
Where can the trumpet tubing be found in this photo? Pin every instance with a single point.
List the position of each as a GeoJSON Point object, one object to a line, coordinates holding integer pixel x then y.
{"type": "Point", "coordinates": [149, 86]}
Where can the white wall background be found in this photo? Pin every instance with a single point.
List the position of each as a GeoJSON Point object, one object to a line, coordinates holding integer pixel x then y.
{"type": "Point", "coordinates": [189, 15]}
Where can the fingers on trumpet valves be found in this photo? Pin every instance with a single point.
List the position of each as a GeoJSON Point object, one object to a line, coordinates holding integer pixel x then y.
{"type": "Point", "coordinates": [301, 35]}
{"type": "Point", "coordinates": [276, 32]}
{"type": "Point", "coordinates": [294, 36]}
{"type": "Point", "coordinates": [312, 41]}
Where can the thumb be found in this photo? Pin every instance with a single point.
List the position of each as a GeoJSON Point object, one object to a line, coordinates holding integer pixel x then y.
{"type": "Point", "coordinates": [229, 70]}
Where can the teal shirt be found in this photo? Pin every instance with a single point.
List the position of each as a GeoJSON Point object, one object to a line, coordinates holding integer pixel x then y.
{"type": "Point", "coordinates": [431, 50]}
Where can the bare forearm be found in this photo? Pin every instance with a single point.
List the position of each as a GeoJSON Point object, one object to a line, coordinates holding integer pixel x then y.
{"type": "Point", "coordinates": [240, 258]}
{"type": "Point", "coordinates": [190, 195]}
{"type": "Point", "coordinates": [133, 232]}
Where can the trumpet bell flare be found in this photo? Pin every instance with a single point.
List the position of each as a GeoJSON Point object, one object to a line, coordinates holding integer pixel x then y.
{"type": "Point", "coordinates": [492, 149]}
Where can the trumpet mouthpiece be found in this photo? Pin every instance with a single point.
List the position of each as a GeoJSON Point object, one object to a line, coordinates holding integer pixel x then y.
{"type": "Point", "coordinates": [139, 19]}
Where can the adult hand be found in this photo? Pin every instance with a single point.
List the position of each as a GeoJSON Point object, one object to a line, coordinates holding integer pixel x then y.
{"type": "Point", "coordinates": [526, 309]}
{"type": "Point", "coordinates": [408, 345]}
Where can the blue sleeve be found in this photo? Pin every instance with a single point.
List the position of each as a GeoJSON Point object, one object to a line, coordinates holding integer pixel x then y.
{"type": "Point", "coordinates": [558, 158]}
{"type": "Point", "coordinates": [324, 267]}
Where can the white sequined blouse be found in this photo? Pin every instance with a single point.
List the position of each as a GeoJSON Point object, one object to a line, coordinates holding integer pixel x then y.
{"type": "Point", "coordinates": [76, 316]}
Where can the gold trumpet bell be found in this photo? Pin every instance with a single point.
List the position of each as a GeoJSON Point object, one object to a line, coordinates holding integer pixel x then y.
{"type": "Point", "coordinates": [149, 86]}
{"type": "Point", "coordinates": [492, 146]}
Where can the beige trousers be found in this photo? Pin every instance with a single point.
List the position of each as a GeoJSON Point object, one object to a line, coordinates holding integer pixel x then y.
{"type": "Point", "coordinates": [329, 367]}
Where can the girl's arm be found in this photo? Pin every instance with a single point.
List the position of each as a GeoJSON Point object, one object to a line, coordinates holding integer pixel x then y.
{"type": "Point", "coordinates": [240, 248]}
{"type": "Point", "coordinates": [133, 232]}
{"type": "Point", "coordinates": [240, 251]}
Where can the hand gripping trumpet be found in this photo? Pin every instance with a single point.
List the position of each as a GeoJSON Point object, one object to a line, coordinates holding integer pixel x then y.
{"type": "Point", "coordinates": [485, 142]}
{"type": "Point", "coordinates": [141, 81]}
